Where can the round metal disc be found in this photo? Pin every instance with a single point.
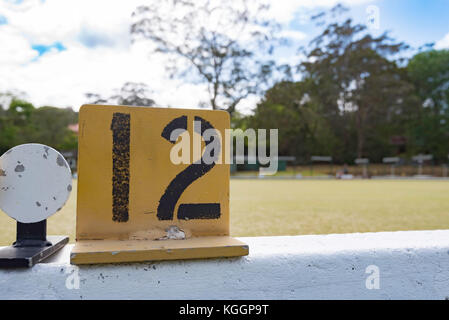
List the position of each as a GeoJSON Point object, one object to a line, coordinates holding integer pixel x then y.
{"type": "Point", "coordinates": [35, 182]}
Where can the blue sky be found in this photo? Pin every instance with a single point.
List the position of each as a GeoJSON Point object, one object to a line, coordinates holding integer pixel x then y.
{"type": "Point", "coordinates": [58, 50]}
{"type": "Point", "coordinates": [3, 20]}
{"type": "Point", "coordinates": [416, 22]}
{"type": "Point", "coordinates": [44, 48]}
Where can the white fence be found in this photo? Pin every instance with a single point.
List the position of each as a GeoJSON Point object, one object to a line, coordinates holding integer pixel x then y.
{"type": "Point", "coordinates": [384, 265]}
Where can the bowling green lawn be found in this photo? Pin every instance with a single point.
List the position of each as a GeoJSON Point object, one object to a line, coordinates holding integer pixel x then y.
{"type": "Point", "coordinates": [296, 207]}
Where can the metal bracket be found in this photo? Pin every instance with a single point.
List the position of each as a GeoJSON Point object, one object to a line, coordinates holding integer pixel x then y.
{"type": "Point", "coordinates": [31, 246]}
{"type": "Point", "coordinates": [32, 235]}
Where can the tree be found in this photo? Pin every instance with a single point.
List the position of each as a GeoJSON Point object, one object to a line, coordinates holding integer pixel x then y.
{"type": "Point", "coordinates": [51, 127]}
{"type": "Point", "coordinates": [14, 124]}
{"type": "Point", "coordinates": [429, 72]}
{"type": "Point", "coordinates": [356, 81]}
{"type": "Point", "coordinates": [303, 131]}
{"type": "Point", "coordinates": [130, 94]}
{"type": "Point", "coordinates": [22, 123]}
{"type": "Point", "coordinates": [224, 45]}
{"type": "Point", "coordinates": [354, 96]}
{"type": "Point", "coordinates": [7, 97]}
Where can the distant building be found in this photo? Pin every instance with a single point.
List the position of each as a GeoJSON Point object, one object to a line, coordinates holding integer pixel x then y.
{"type": "Point", "coordinates": [73, 127]}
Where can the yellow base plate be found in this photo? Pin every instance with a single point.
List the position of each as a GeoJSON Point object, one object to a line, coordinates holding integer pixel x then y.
{"type": "Point", "coordinates": [114, 251]}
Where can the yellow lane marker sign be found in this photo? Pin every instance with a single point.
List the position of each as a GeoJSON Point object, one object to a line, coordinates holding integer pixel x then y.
{"type": "Point", "coordinates": [137, 201]}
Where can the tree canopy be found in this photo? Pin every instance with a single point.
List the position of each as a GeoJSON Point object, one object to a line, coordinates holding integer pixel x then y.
{"type": "Point", "coordinates": [358, 98]}
{"type": "Point", "coordinates": [22, 123]}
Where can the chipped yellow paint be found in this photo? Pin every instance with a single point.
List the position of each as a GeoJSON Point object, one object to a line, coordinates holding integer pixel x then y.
{"type": "Point", "coordinates": [103, 226]}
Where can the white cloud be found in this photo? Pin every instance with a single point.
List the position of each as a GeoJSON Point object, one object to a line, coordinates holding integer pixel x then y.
{"type": "Point", "coordinates": [443, 43]}
{"type": "Point", "coordinates": [62, 78]}
{"type": "Point", "coordinates": [15, 50]}
{"type": "Point", "coordinates": [248, 104]}
{"type": "Point", "coordinates": [64, 20]}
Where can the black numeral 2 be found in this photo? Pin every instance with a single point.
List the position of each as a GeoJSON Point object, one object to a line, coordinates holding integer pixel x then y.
{"type": "Point", "coordinates": [186, 177]}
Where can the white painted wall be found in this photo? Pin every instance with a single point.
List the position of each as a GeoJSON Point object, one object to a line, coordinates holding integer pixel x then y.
{"type": "Point", "coordinates": [412, 265]}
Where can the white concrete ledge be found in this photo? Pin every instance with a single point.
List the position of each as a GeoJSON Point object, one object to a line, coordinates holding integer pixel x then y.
{"type": "Point", "coordinates": [412, 265]}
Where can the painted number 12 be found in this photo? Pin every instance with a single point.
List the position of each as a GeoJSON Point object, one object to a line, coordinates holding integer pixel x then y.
{"type": "Point", "coordinates": [121, 128]}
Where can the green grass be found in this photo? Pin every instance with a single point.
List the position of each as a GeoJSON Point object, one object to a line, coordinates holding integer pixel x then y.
{"type": "Point", "coordinates": [292, 207]}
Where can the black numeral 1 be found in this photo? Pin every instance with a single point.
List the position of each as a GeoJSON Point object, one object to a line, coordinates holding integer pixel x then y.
{"type": "Point", "coordinates": [120, 126]}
